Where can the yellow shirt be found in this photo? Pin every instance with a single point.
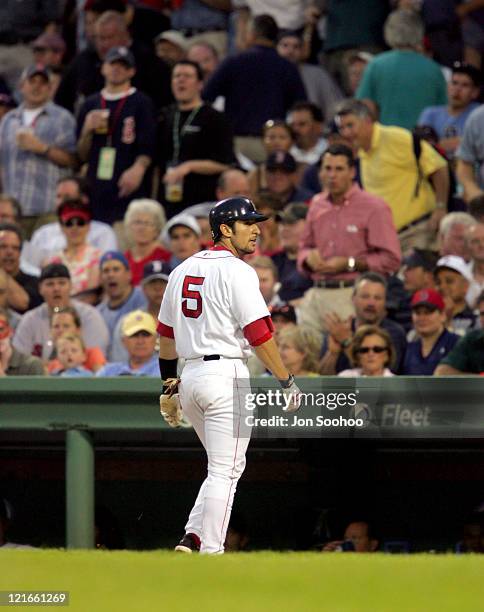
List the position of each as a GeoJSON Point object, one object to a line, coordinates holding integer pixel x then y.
{"type": "Point", "coordinates": [389, 170]}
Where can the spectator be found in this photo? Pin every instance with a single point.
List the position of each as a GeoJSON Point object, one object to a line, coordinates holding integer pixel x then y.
{"type": "Point", "coordinates": [282, 316]}
{"type": "Point", "coordinates": [12, 361]}
{"type": "Point", "coordinates": [389, 79]}
{"type": "Point", "coordinates": [452, 279]}
{"type": "Point", "coordinates": [299, 350]}
{"type": "Point", "coordinates": [171, 47]}
{"type": "Point", "coordinates": [371, 352]}
{"type": "Point", "coordinates": [433, 341]}
{"type": "Point", "coordinates": [347, 231]}
{"type": "Point", "coordinates": [475, 241]}
{"type": "Point", "coordinates": [80, 258]}
{"type": "Point", "coordinates": [291, 223]}
{"type": "Point", "coordinates": [32, 335]}
{"type": "Point", "coordinates": [67, 321]}
{"type": "Point", "coordinates": [116, 138]}
{"type": "Point", "coordinates": [467, 356]}
{"type": "Point", "coordinates": [281, 178]}
{"type": "Point", "coordinates": [13, 316]}
{"type": "Point", "coordinates": [320, 87]}
{"type": "Point", "coordinates": [48, 50]}
{"type": "Point", "coordinates": [470, 156]}
{"type": "Point", "coordinates": [359, 534]}
{"type": "Point", "coordinates": [143, 221]}
{"type": "Point", "coordinates": [206, 56]}
{"type": "Point", "coordinates": [121, 297]}
{"type": "Point", "coordinates": [276, 136]}
{"type": "Point", "coordinates": [83, 76]}
{"type": "Point", "coordinates": [268, 205]}
{"type": "Point", "coordinates": [257, 84]}
{"type": "Point", "coordinates": [356, 64]}
{"type": "Point", "coordinates": [268, 282]}
{"type": "Point", "coordinates": [418, 270]}
{"type": "Point", "coordinates": [155, 279]}
{"type": "Point", "coordinates": [139, 338]}
{"type": "Point", "coordinates": [183, 234]}
{"type": "Point", "coordinates": [37, 147]}
{"type": "Point", "coordinates": [50, 238]}
{"type": "Point", "coordinates": [452, 234]}
{"type": "Point", "coordinates": [417, 193]}
{"type": "Point", "coordinates": [22, 289]}
{"type": "Point", "coordinates": [10, 211]}
{"type": "Point", "coordinates": [71, 355]}
{"type": "Point", "coordinates": [306, 121]}
{"type": "Point", "coordinates": [449, 120]}
{"type": "Point", "coordinates": [195, 143]}
{"type": "Point", "coordinates": [369, 299]}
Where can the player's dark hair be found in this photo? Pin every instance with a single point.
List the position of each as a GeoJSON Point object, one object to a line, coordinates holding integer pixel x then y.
{"type": "Point", "coordinates": [340, 149]}
{"type": "Point", "coordinates": [265, 26]}
{"type": "Point", "coordinates": [193, 64]}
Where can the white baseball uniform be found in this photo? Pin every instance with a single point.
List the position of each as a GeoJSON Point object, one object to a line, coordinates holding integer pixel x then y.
{"type": "Point", "coordinates": [211, 305]}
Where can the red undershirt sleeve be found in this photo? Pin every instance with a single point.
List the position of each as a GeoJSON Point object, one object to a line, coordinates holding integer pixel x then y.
{"type": "Point", "coordinates": [165, 330]}
{"type": "Point", "coordinates": [259, 331]}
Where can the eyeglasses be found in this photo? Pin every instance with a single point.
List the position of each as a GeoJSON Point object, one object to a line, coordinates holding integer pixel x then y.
{"type": "Point", "coordinates": [375, 349]}
{"type": "Point", "coordinates": [75, 221]}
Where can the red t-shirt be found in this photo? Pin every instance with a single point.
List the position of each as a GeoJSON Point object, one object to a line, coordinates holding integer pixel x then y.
{"type": "Point", "coordinates": [157, 254]}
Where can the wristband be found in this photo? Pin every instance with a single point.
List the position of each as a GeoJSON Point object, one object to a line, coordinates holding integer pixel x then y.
{"type": "Point", "coordinates": [285, 384]}
{"type": "Point", "coordinates": [168, 368]}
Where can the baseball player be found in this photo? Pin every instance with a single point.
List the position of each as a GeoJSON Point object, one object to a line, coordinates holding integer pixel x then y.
{"type": "Point", "coordinates": [211, 315]}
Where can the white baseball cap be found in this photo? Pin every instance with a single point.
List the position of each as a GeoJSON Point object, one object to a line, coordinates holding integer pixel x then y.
{"type": "Point", "coordinates": [181, 219]}
{"type": "Point", "coordinates": [456, 263]}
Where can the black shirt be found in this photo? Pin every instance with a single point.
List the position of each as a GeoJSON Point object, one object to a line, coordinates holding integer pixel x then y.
{"type": "Point", "coordinates": [208, 136]}
{"type": "Point", "coordinates": [293, 283]}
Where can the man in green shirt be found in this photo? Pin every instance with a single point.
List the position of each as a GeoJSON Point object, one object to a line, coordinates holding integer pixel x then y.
{"type": "Point", "coordinates": [467, 356]}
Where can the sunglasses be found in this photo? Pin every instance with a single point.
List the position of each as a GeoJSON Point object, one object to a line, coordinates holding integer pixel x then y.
{"type": "Point", "coordinates": [375, 349]}
{"type": "Point", "coordinates": [75, 221]}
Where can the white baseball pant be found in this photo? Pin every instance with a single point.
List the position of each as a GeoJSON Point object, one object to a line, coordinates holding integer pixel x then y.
{"type": "Point", "coordinates": [208, 400]}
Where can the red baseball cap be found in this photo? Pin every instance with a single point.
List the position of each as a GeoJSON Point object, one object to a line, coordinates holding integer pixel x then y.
{"type": "Point", "coordinates": [428, 297]}
{"type": "Point", "coordinates": [73, 208]}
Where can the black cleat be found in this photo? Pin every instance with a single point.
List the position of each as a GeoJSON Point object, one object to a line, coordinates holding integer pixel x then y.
{"type": "Point", "coordinates": [190, 543]}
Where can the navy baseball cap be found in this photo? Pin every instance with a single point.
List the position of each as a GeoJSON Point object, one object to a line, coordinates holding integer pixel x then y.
{"type": "Point", "coordinates": [120, 54]}
{"type": "Point", "coordinates": [421, 258]}
{"type": "Point", "coordinates": [117, 255]}
{"type": "Point", "coordinates": [292, 213]}
{"type": "Point", "coordinates": [54, 270]}
{"type": "Point", "coordinates": [35, 69]}
{"type": "Point", "coordinates": [280, 160]}
{"type": "Point", "coordinates": [155, 270]}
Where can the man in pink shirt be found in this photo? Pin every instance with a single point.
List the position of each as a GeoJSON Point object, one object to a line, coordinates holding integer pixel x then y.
{"type": "Point", "coordinates": [348, 231]}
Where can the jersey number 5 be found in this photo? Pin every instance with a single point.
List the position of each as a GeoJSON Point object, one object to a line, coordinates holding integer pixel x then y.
{"type": "Point", "coordinates": [192, 294]}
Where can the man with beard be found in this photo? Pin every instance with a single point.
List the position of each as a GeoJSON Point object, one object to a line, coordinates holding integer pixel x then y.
{"type": "Point", "coordinates": [369, 302]}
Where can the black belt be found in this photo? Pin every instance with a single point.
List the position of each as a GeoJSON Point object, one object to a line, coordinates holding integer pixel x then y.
{"type": "Point", "coordinates": [333, 284]}
{"type": "Point", "coordinates": [416, 222]}
{"type": "Point", "coordinates": [211, 357]}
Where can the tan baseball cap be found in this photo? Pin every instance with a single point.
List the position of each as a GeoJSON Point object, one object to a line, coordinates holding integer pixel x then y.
{"type": "Point", "coordinates": [137, 321]}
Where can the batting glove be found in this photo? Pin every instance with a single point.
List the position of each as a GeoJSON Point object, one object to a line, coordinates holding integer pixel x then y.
{"type": "Point", "coordinates": [293, 392]}
{"type": "Point", "coordinates": [170, 407]}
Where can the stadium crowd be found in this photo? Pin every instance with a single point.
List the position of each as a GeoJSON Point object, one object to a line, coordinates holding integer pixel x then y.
{"type": "Point", "coordinates": [356, 127]}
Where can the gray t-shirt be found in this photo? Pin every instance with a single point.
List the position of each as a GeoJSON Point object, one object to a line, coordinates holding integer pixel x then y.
{"type": "Point", "coordinates": [471, 149]}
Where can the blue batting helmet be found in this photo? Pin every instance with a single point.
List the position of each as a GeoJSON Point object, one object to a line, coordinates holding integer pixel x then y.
{"type": "Point", "coordinates": [230, 210]}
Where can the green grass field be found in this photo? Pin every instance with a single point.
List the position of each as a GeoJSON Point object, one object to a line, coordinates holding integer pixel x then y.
{"type": "Point", "coordinates": [142, 582]}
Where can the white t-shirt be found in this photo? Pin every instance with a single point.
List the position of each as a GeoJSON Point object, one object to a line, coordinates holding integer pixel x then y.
{"type": "Point", "coordinates": [208, 301]}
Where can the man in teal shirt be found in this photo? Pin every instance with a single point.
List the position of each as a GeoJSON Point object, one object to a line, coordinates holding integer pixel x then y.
{"type": "Point", "coordinates": [402, 82]}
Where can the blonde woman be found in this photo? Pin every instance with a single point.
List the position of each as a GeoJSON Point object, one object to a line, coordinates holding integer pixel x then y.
{"type": "Point", "coordinates": [371, 352]}
{"type": "Point", "coordinates": [299, 349]}
{"type": "Point", "coordinates": [143, 222]}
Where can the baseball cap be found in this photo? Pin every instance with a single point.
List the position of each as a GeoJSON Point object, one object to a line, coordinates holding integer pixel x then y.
{"type": "Point", "coordinates": [73, 208]}
{"type": "Point", "coordinates": [49, 40]}
{"type": "Point", "coordinates": [35, 69]}
{"type": "Point", "coordinates": [284, 310]}
{"type": "Point", "coordinates": [292, 213]}
{"type": "Point", "coordinates": [154, 270]}
{"type": "Point", "coordinates": [54, 270]}
{"type": "Point", "coordinates": [120, 54]}
{"type": "Point", "coordinates": [280, 160]}
{"type": "Point", "coordinates": [173, 37]}
{"type": "Point", "coordinates": [110, 255]}
{"type": "Point", "coordinates": [428, 297]}
{"type": "Point", "coordinates": [421, 258]}
{"type": "Point", "coordinates": [456, 263]}
{"type": "Point", "coordinates": [182, 219]}
{"type": "Point", "coordinates": [136, 321]}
